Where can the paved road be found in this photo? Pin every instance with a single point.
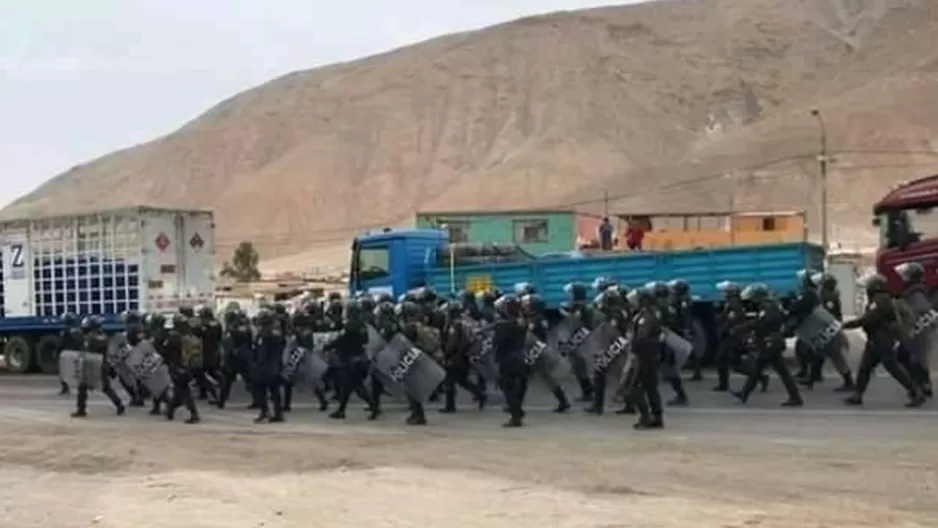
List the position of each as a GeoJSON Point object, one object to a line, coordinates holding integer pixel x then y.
{"type": "Point", "coordinates": [32, 400]}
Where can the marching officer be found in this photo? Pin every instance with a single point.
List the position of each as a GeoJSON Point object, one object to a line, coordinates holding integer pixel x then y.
{"type": "Point", "coordinates": [71, 338]}
{"type": "Point", "coordinates": [880, 323]}
{"type": "Point", "coordinates": [183, 356]}
{"type": "Point", "coordinates": [96, 342]}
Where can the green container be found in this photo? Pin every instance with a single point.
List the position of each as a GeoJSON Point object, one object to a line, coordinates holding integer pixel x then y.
{"type": "Point", "coordinates": [536, 232]}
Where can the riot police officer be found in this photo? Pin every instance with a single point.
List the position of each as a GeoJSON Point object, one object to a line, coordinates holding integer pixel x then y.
{"type": "Point", "coordinates": [96, 342]}
{"type": "Point", "coordinates": [238, 346]}
{"type": "Point", "coordinates": [577, 306]}
{"type": "Point", "coordinates": [456, 343]}
{"type": "Point", "coordinates": [71, 338]}
{"type": "Point", "coordinates": [508, 347]}
{"type": "Point", "coordinates": [769, 342]}
{"type": "Point", "coordinates": [682, 306]}
{"type": "Point", "coordinates": [268, 365]}
{"type": "Point", "coordinates": [535, 313]}
{"type": "Point", "coordinates": [646, 351]}
{"type": "Point", "coordinates": [610, 304]}
{"type": "Point", "coordinates": [134, 333]}
{"type": "Point", "coordinates": [914, 353]}
{"type": "Point", "coordinates": [669, 319]}
{"type": "Point", "coordinates": [880, 323]}
{"type": "Point", "coordinates": [351, 363]}
{"type": "Point", "coordinates": [154, 328]}
{"type": "Point", "coordinates": [183, 356]}
{"type": "Point", "coordinates": [211, 335]}
{"type": "Point", "coordinates": [805, 301]}
{"type": "Point", "coordinates": [829, 298]}
{"type": "Point", "coordinates": [731, 350]}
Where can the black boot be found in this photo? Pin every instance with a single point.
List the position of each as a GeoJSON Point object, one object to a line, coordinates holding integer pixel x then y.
{"type": "Point", "coordinates": [847, 385]}
{"type": "Point", "coordinates": [563, 405]}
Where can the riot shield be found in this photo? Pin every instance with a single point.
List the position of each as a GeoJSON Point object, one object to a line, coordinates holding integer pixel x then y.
{"type": "Point", "coordinates": [627, 377]}
{"type": "Point", "coordinates": [819, 329]}
{"type": "Point", "coordinates": [922, 337]}
{"type": "Point", "coordinates": [541, 357]}
{"type": "Point", "coordinates": [409, 368]}
{"type": "Point", "coordinates": [680, 347]}
{"type": "Point", "coordinates": [293, 355]}
{"type": "Point", "coordinates": [375, 341]}
{"type": "Point", "coordinates": [312, 369]}
{"type": "Point", "coordinates": [118, 351]}
{"type": "Point", "coordinates": [593, 350]}
{"type": "Point", "coordinates": [560, 334]}
{"type": "Point", "coordinates": [150, 369]}
{"type": "Point", "coordinates": [480, 352]}
{"type": "Point", "coordinates": [78, 367]}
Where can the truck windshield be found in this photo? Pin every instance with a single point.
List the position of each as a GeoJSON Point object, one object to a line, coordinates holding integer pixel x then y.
{"type": "Point", "coordinates": [372, 263]}
{"type": "Point", "coordinates": [900, 227]}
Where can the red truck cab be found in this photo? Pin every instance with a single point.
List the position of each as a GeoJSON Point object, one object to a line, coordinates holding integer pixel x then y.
{"type": "Point", "coordinates": [907, 219]}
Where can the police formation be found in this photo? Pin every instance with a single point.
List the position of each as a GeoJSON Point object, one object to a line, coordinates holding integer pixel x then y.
{"type": "Point", "coordinates": [615, 341]}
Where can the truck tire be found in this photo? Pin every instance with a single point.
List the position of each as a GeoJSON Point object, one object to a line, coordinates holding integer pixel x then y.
{"type": "Point", "coordinates": [18, 354]}
{"type": "Point", "coordinates": [47, 355]}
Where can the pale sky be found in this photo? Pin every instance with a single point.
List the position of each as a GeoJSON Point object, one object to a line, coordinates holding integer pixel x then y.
{"type": "Point", "coordinates": [79, 79]}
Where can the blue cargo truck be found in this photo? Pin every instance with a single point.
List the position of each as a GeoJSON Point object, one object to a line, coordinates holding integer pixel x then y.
{"type": "Point", "coordinates": [103, 263]}
{"type": "Point", "coordinates": [395, 261]}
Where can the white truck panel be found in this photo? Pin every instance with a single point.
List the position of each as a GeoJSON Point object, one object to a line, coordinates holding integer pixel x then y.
{"type": "Point", "coordinates": [179, 254]}
{"type": "Point", "coordinates": [106, 263]}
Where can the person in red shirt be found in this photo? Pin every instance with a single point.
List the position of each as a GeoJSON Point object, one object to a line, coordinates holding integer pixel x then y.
{"type": "Point", "coordinates": [634, 235]}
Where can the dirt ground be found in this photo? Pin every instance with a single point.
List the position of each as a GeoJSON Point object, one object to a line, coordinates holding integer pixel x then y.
{"type": "Point", "coordinates": [717, 468]}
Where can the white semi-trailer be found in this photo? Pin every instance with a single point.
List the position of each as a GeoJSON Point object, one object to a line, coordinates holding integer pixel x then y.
{"type": "Point", "coordinates": [104, 263]}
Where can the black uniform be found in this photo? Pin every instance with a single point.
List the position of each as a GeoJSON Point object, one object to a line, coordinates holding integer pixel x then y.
{"type": "Point", "coordinates": [682, 305]}
{"type": "Point", "coordinates": [806, 300]}
{"type": "Point", "coordinates": [351, 368]}
{"type": "Point", "coordinates": [134, 334]}
{"type": "Point", "coordinates": [208, 377]}
{"type": "Point", "coordinates": [237, 345]}
{"type": "Point", "coordinates": [508, 344]}
{"type": "Point", "coordinates": [71, 338]}
{"type": "Point", "coordinates": [769, 343]}
{"type": "Point", "coordinates": [613, 310]}
{"type": "Point", "coordinates": [456, 343]}
{"type": "Point", "coordinates": [96, 342]}
{"type": "Point", "coordinates": [732, 347]}
{"type": "Point", "coordinates": [646, 348]}
{"type": "Point", "coordinates": [268, 366]}
{"type": "Point", "coordinates": [829, 297]}
{"type": "Point", "coordinates": [668, 317]}
{"type": "Point", "coordinates": [881, 326]}
{"type": "Point", "coordinates": [182, 352]}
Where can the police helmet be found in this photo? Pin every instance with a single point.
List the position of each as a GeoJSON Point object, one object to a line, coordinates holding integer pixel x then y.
{"type": "Point", "coordinates": [755, 292]}
{"type": "Point", "coordinates": [187, 310]}
{"type": "Point", "coordinates": [873, 283]}
{"type": "Point", "coordinates": [911, 272]}
{"type": "Point", "coordinates": [729, 288]}
{"type": "Point", "coordinates": [679, 286]}
{"type": "Point", "coordinates": [601, 283]}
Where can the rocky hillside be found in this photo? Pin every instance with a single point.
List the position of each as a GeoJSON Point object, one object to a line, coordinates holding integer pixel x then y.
{"type": "Point", "coordinates": [669, 105]}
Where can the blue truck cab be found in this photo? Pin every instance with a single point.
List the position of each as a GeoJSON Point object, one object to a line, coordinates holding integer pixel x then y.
{"type": "Point", "coordinates": [395, 261]}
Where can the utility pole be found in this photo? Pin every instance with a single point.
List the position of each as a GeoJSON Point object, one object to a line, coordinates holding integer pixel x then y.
{"type": "Point", "coordinates": [822, 165]}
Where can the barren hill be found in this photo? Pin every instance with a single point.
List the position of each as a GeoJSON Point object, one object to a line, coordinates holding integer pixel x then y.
{"type": "Point", "coordinates": [670, 105]}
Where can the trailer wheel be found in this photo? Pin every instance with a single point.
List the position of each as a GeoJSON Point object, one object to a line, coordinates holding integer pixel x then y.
{"type": "Point", "coordinates": [18, 355]}
{"type": "Point", "coordinates": [47, 355]}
